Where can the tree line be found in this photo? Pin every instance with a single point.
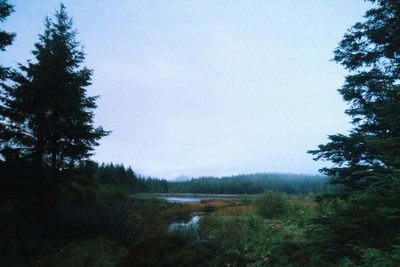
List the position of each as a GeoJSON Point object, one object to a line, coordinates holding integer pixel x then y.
{"type": "Point", "coordinates": [253, 184]}
{"type": "Point", "coordinates": [51, 191]}
{"type": "Point", "coordinates": [118, 174]}
{"type": "Point", "coordinates": [360, 225]}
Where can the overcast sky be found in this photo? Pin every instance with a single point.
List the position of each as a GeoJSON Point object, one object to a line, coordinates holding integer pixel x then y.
{"type": "Point", "coordinates": [206, 87]}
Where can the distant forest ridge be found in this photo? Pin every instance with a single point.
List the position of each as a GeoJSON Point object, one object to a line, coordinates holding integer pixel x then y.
{"type": "Point", "coordinates": [253, 184]}
{"type": "Point", "coordinates": [256, 183]}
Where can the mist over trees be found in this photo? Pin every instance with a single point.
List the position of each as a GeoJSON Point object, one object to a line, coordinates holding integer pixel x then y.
{"type": "Point", "coordinates": [295, 184]}
{"type": "Point", "coordinates": [253, 184]}
{"type": "Point", "coordinates": [59, 208]}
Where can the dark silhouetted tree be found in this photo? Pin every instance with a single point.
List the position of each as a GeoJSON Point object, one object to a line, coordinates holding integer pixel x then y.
{"type": "Point", "coordinates": [49, 115]}
{"type": "Point", "coordinates": [6, 38]}
{"type": "Point", "coordinates": [367, 160]}
{"type": "Point", "coordinates": [370, 51]}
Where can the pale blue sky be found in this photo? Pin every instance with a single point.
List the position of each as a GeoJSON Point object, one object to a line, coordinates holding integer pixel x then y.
{"type": "Point", "coordinates": [206, 87]}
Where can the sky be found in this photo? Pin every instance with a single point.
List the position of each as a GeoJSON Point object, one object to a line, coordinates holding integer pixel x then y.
{"type": "Point", "coordinates": [206, 87]}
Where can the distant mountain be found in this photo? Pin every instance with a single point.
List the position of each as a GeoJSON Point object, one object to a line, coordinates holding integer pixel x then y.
{"type": "Point", "coordinates": [181, 178]}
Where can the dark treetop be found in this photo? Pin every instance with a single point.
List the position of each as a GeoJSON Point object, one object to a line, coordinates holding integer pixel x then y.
{"type": "Point", "coordinates": [48, 115]}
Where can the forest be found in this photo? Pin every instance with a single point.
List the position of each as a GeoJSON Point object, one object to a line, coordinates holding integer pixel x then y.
{"type": "Point", "coordinates": [253, 184]}
{"type": "Point", "coordinates": [58, 207]}
{"type": "Point", "coordinates": [294, 184]}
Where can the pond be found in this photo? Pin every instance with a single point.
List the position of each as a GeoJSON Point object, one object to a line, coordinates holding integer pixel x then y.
{"type": "Point", "coordinates": [183, 199]}
{"type": "Point", "coordinates": [186, 198]}
{"type": "Point", "coordinates": [192, 223]}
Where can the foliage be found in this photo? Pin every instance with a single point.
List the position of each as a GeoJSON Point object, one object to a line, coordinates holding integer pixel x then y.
{"type": "Point", "coordinates": [242, 184]}
{"type": "Point", "coordinates": [91, 209]}
{"type": "Point", "coordinates": [373, 257]}
{"type": "Point", "coordinates": [376, 257]}
{"type": "Point", "coordinates": [248, 239]}
{"type": "Point", "coordinates": [95, 220]}
{"type": "Point", "coordinates": [117, 174]}
{"type": "Point", "coordinates": [369, 51]}
{"type": "Point", "coordinates": [169, 250]}
{"type": "Point", "coordinates": [252, 184]}
{"type": "Point", "coordinates": [99, 252]}
{"type": "Point", "coordinates": [366, 219]}
{"type": "Point", "coordinates": [364, 223]}
{"type": "Point", "coordinates": [272, 204]}
{"type": "Point", "coordinates": [6, 38]}
{"type": "Point", "coordinates": [47, 113]}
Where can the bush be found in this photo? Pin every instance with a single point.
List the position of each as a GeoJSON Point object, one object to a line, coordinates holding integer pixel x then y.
{"type": "Point", "coordinates": [169, 250]}
{"type": "Point", "coordinates": [99, 252]}
{"type": "Point", "coordinates": [88, 210]}
{"type": "Point", "coordinates": [208, 208]}
{"type": "Point", "coordinates": [272, 204]}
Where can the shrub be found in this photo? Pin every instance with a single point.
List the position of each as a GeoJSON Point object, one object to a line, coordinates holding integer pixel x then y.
{"type": "Point", "coordinates": [169, 250]}
{"type": "Point", "coordinates": [99, 252]}
{"type": "Point", "coordinates": [272, 204]}
{"type": "Point", "coordinates": [208, 208]}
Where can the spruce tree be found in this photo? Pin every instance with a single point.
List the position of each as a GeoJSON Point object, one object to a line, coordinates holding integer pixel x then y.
{"type": "Point", "coordinates": [370, 51]}
{"type": "Point", "coordinates": [6, 38]}
{"type": "Point", "coordinates": [48, 112]}
{"type": "Point", "coordinates": [367, 160]}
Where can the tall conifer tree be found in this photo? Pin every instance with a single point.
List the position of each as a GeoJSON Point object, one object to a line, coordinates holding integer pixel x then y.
{"type": "Point", "coordinates": [367, 160]}
{"type": "Point", "coordinates": [6, 38]}
{"type": "Point", "coordinates": [370, 51]}
{"type": "Point", "coordinates": [49, 115]}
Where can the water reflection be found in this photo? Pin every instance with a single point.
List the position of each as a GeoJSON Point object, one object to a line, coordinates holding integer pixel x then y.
{"type": "Point", "coordinates": [192, 223]}
{"type": "Point", "coordinates": [183, 199]}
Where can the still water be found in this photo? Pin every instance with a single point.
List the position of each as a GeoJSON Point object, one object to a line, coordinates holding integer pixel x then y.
{"type": "Point", "coordinates": [183, 199]}
{"type": "Point", "coordinates": [192, 223]}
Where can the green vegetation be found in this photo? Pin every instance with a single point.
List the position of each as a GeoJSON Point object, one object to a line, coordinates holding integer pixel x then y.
{"type": "Point", "coordinates": [119, 175]}
{"type": "Point", "coordinates": [253, 184]}
{"type": "Point", "coordinates": [99, 252]}
{"type": "Point", "coordinates": [279, 240]}
{"type": "Point", "coordinates": [295, 184]}
{"type": "Point", "coordinates": [58, 208]}
{"type": "Point", "coordinates": [47, 114]}
{"type": "Point", "coordinates": [6, 38]}
{"type": "Point", "coordinates": [272, 204]}
{"type": "Point", "coordinates": [360, 225]}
